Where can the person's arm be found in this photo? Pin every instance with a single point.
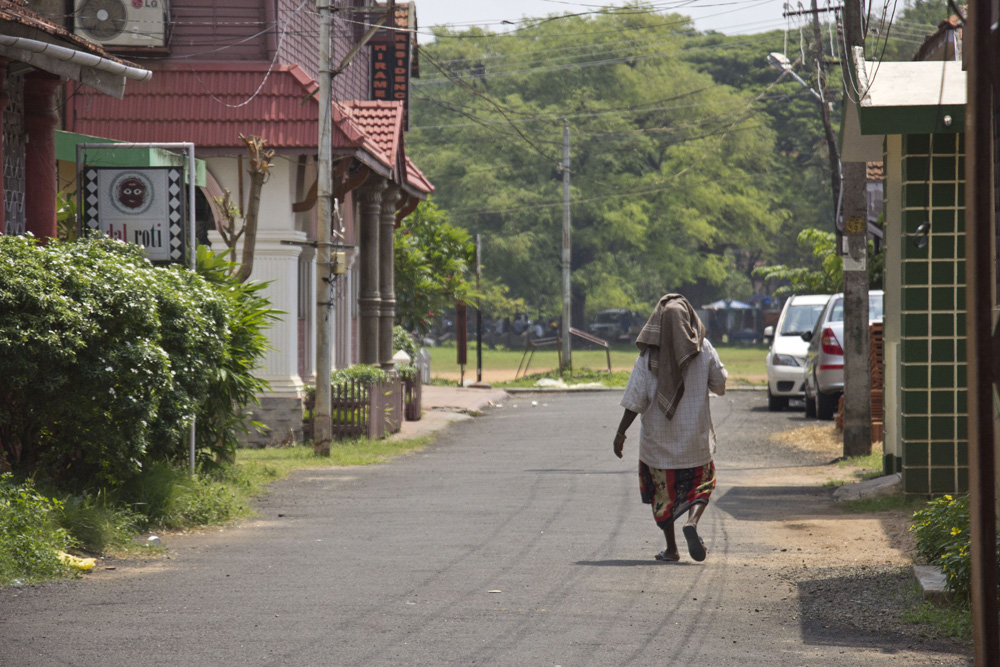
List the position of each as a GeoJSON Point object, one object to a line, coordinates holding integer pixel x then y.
{"type": "Point", "coordinates": [717, 374]}
{"type": "Point", "coordinates": [627, 418]}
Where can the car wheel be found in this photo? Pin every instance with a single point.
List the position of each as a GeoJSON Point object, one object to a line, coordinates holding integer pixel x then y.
{"type": "Point", "coordinates": [810, 407]}
{"type": "Point", "coordinates": [776, 403]}
{"type": "Point", "coordinates": [826, 405]}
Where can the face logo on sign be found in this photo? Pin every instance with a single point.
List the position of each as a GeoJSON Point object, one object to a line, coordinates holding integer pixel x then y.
{"type": "Point", "coordinates": [131, 193]}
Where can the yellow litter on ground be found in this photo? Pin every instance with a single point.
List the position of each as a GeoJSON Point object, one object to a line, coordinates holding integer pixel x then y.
{"type": "Point", "coordinates": [82, 564]}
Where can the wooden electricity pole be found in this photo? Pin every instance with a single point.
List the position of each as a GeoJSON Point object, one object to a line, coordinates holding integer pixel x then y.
{"type": "Point", "coordinates": [983, 367]}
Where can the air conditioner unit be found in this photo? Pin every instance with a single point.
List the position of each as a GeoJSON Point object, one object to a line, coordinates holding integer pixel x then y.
{"type": "Point", "coordinates": [122, 23]}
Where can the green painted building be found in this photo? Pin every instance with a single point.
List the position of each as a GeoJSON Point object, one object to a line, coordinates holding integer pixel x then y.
{"type": "Point", "coordinates": [911, 117]}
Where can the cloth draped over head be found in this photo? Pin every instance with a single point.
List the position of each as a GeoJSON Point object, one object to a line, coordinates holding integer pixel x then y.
{"type": "Point", "coordinates": [673, 334]}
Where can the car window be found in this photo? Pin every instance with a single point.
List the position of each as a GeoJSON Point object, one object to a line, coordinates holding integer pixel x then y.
{"type": "Point", "coordinates": [875, 307]}
{"type": "Point", "coordinates": [800, 319]}
{"type": "Point", "coordinates": [837, 312]}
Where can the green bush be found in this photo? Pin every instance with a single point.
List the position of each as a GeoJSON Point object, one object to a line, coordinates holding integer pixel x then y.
{"type": "Point", "coordinates": [222, 416]}
{"type": "Point", "coordinates": [96, 523]}
{"type": "Point", "coordinates": [166, 496]}
{"type": "Point", "coordinates": [105, 358]}
{"type": "Point", "coordinates": [942, 536]}
{"type": "Point", "coordinates": [364, 373]}
{"type": "Point", "coordinates": [29, 535]}
{"type": "Point", "coordinates": [403, 341]}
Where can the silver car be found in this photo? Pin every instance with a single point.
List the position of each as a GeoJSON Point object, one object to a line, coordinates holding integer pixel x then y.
{"type": "Point", "coordinates": [824, 381]}
{"type": "Point", "coordinates": [786, 358]}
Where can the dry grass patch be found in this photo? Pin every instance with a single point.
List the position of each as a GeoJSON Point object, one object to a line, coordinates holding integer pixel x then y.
{"type": "Point", "coordinates": [823, 438]}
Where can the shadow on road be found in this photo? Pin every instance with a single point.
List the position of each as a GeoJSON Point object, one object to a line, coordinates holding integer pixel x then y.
{"type": "Point", "coordinates": [871, 616]}
{"type": "Point", "coordinates": [777, 503]}
{"type": "Point", "coordinates": [578, 471]}
{"type": "Point", "coordinates": [630, 563]}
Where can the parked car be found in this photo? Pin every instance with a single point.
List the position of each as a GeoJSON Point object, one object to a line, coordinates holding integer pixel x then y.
{"type": "Point", "coordinates": [615, 324]}
{"type": "Point", "coordinates": [786, 360]}
{"type": "Point", "coordinates": [824, 374]}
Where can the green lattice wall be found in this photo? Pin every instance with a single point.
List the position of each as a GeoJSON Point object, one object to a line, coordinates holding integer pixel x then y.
{"type": "Point", "coordinates": [932, 327]}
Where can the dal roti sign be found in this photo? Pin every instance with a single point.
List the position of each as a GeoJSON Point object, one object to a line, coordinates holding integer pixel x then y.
{"type": "Point", "coordinates": [141, 206]}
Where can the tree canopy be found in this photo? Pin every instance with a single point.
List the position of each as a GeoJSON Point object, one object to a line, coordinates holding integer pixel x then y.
{"type": "Point", "coordinates": [692, 161]}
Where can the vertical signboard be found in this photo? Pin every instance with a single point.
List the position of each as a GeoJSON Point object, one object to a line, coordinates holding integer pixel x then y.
{"type": "Point", "coordinates": [144, 206]}
{"type": "Point", "coordinates": [390, 70]}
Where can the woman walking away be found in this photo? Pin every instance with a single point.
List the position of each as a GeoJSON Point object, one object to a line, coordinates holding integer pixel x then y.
{"type": "Point", "coordinates": [669, 385]}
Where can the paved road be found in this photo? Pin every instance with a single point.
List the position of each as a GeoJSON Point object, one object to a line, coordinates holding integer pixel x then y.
{"type": "Point", "coordinates": [516, 539]}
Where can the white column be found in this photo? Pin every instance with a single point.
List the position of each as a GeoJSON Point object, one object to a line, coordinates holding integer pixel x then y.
{"type": "Point", "coordinates": [277, 264]}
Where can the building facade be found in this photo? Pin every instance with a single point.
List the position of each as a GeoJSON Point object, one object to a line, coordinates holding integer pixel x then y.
{"type": "Point", "coordinates": [228, 68]}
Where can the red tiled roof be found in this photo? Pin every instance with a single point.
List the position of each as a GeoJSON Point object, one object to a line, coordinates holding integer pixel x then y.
{"type": "Point", "coordinates": [209, 104]}
{"type": "Point", "coordinates": [380, 123]}
{"type": "Point", "coordinates": [416, 178]}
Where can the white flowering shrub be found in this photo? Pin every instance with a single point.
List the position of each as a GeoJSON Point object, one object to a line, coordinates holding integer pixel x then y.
{"type": "Point", "coordinates": [105, 358]}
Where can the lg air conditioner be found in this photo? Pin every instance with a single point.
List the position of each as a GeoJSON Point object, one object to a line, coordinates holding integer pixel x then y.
{"type": "Point", "coordinates": [122, 23]}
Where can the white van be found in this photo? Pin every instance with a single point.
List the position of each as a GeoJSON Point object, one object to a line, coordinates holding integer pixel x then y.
{"type": "Point", "coordinates": [786, 360]}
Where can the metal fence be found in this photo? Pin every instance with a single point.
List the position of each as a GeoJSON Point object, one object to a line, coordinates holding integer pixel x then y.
{"type": "Point", "coordinates": [361, 409]}
{"type": "Point", "coordinates": [412, 390]}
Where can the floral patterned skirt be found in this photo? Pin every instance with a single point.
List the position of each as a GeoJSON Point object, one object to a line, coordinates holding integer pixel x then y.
{"type": "Point", "coordinates": [673, 492]}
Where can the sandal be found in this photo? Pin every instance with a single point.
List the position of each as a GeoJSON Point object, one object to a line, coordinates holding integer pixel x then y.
{"type": "Point", "coordinates": [696, 546]}
{"type": "Point", "coordinates": [667, 557]}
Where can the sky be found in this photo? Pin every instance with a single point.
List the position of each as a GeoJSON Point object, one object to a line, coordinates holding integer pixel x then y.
{"type": "Point", "coordinates": [732, 17]}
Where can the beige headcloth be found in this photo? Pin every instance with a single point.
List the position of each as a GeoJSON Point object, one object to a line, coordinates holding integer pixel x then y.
{"type": "Point", "coordinates": [674, 332]}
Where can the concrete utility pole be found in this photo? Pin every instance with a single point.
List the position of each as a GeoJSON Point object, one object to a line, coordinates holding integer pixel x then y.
{"type": "Point", "coordinates": [567, 355]}
{"type": "Point", "coordinates": [857, 373]}
{"type": "Point", "coordinates": [323, 429]}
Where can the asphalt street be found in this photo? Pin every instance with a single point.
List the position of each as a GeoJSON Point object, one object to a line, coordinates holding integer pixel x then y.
{"type": "Point", "coordinates": [517, 538]}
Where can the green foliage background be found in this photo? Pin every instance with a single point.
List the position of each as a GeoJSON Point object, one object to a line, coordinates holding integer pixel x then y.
{"type": "Point", "coordinates": [433, 263]}
{"type": "Point", "coordinates": [942, 536]}
{"type": "Point", "coordinates": [691, 163]}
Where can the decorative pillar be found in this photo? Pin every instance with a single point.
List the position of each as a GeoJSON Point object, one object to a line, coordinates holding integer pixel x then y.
{"type": "Point", "coordinates": [369, 297]}
{"type": "Point", "coordinates": [40, 121]}
{"type": "Point", "coordinates": [387, 275]}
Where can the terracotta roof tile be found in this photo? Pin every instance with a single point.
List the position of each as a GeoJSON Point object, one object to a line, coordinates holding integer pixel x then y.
{"type": "Point", "coordinates": [416, 178]}
{"type": "Point", "coordinates": [874, 171]}
{"type": "Point", "coordinates": [211, 104]}
{"type": "Point", "coordinates": [208, 104]}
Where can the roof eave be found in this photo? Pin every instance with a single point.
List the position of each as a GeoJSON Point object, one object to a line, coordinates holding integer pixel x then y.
{"type": "Point", "coordinates": [902, 98]}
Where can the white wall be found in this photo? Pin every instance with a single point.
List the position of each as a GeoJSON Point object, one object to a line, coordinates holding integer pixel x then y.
{"type": "Point", "coordinates": [891, 324]}
{"type": "Point", "coordinates": [275, 263]}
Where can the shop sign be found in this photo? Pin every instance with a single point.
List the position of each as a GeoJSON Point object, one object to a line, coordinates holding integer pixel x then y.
{"type": "Point", "coordinates": [144, 206]}
{"type": "Point", "coordinates": [390, 70]}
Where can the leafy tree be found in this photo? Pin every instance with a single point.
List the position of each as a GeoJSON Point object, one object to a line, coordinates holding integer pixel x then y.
{"type": "Point", "coordinates": [680, 179]}
{"type": "Point", "coordinates": [432, 262]}
{"type": "Point", "coordinates": [902, 39]}
{"type": "Point", "coordinates": [829, 277]}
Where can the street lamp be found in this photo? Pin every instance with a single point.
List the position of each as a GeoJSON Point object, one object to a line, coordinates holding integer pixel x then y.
{"type": "Point", "coordinates": [780, 62]}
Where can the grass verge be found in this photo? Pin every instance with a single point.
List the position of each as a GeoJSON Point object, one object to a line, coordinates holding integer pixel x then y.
{"type": "Point", "coordinates": [891, 503]}
{"type": "Point", "coordinates": [267, 465]}
{"type": "Point", "coordinates": [745, 363]}
{"type": "Point", "coordinates": [36, 525]}
{"type": "Point", "coordinates": [950, 621]}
